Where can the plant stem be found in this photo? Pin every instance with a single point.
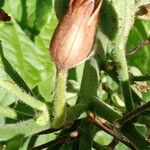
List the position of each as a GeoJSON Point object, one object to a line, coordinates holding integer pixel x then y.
{"type": "Point", "coordinates": [122, 69]}
{"type": "Point", "coordinates": [12, 88]}
{"type": "Point", "coordinates": [50, 144]}
{"type": "Point", "coordinates": [59, 100]}
{"type": "Point", "coordinates": [26, 128]}
{"type": "Point", "coordinates": [19, 94]}
{"type": "Point", "coordinates": [51, 130]}
{"type": "Point", "coordinates": [8, 112]}
{"type": "Point", "coordinates": [135, 137]}
{"type": "Point", "coordinates": [138, 47]}
{"type": "Point", "coordinates": [110, 130]}
{"type": "Point", "coordinates": [141, 78]}
{"type": "Point", "coordinates": [125, 22]}
{"type": "Point", "coordinates": [133, 114]}
{"type": "Point", "coordinates": [58, 141]}
{"type": "Point", "coordinates": [23, 96]}
{"type": "Point", "coordinates": [126, 89]}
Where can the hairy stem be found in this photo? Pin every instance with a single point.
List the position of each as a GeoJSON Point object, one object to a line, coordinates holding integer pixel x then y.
{"type": "Point", "coordinates": [8, 112]}
{"type": "Point", "coordinates": [126, 19]}
{"type": "Point", "coordinates": [26, 128]}
{"type": "Point", "coordinates": [59, 100]}
{"type": "Point", "coordinates": [21, 95]}
{"type": "Point", "coordinates": [13, 89]}
{"type": "Point", "coordinates": [122, 68]}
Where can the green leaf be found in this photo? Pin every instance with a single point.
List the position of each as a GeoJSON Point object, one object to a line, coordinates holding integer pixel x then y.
{"type": "Point", "coordinates": [130, 132]}
{"type": "Point", "coordinates": [42, 13]}
{"type": "Point", "coordinates": [31, 62]}
{"type": "Point", "coordinates": [15, 143]}
{"type": "Point", "coordinates": [38, 140]}
{"type": "Point", "coordinates": [5, 98]}
{"type": "Point", "coordinates": [13, 73]}
{"type": "Point", "coordinates": [103, 110]}
{"type": "Point", "coordinates": [74, 112]}
{"type": "Point", "coordinates": [2, 3]}
{"type": "Point", "coordinates": [61, 7]}
{"type": "Point", "coordinates": [42, 41]}
{"type": "Point", "coordinates": [28, 60]}
{"type": "Point", "coordinates": [103, 138]}
{"type": "Point", "coordinates": [90, 81]}
{"type": "Point", "coordinates": [87, 135]}
{"type": "Point", "coordinates": [31, 15]}
{"type": "Point", "coordinates": [139, 33]}
{"type": "Point", "coordinates": [109, 22]}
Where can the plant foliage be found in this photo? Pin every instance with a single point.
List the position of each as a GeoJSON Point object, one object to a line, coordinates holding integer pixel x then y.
{"type": "Point", "coordinates": [107, 97]}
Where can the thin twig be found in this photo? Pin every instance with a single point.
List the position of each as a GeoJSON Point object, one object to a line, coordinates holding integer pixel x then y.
{"type": "Point", "coordinates": [133, 114]}
{"type": "Point", "coordinates": [110, 130]}
{"type": "Point", "coordinates": [51, 130]}
{"type": "Point", "coordinates": [60, 140]}
{"type": "Point", "coordinates": [138, 47]}
{"type": "Point", "coordinates": [141, 78]}
{"type": "Point", "coordinates": [57, 141]}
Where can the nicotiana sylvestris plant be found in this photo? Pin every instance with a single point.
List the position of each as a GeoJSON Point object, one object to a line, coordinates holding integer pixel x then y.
{"type": "Point", "coordinates": [107, 23]}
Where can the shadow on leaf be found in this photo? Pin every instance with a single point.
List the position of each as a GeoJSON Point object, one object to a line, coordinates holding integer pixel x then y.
{"type": "Point", "coordinates": [109, 21]}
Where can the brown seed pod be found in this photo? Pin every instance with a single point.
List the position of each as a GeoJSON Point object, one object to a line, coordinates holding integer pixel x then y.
{"type": "Point", "coordinates": [74, 36]}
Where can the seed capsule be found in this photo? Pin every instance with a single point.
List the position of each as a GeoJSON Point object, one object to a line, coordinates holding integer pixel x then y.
{"type": "Point", "coordinates": [74, 36]}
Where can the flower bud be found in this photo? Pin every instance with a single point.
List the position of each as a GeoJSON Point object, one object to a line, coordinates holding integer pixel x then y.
{"type": "Point", "coordinates": [74, 36]}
